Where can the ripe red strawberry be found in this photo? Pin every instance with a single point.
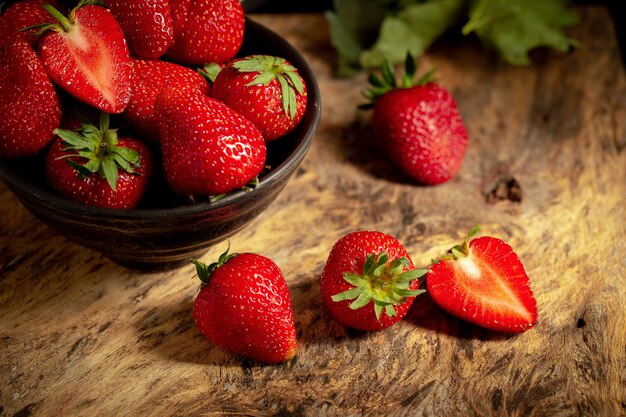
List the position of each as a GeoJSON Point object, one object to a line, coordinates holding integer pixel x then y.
{"type": "Point", "coordinates": [245, 308]}
{"type": "Point", "coordinates": [207, 147]}
{"type": "Point", "coordinates": [147, 25]}
{"type": "Point", "coordinates": [148, 80]}
{"type": "Point", "coordinates": [419, 125]}
{"type": "Point", "coordinates": [96, 168]}
{"type": "Point", "coordinates": [87, 56]}
{"type": "Point", "coordinates": [29, 105]}
{"type": "Point", "coordinates": [267, 90]}
{"type": "Point", "coordinates": [22, 15]}
{"type": "Point", "coordinates": [206, 30]}
{"type": "Point", "coordinates": [374, 270]}
{"type": "Point", "coordinates": [484, 282]}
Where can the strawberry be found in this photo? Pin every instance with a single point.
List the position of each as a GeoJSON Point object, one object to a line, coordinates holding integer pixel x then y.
{"type": "Point", "coordinates": [87, 56]}
{"type": "Point", "coordinates": [206, 30]}
{"type": "Point", "coordinates": [245, 308]}
{"type": "Point", "coordinates": [147, 26]}
{"type": "Point", "coordinates": [147, 81]}
{"type": "Point", "coordinates": [374, 270]}
{"type": "Point", "coordinates": [418, 124]}
{"type": "Point", "coordinates": [208, 148]}
{"type": "Point", "coordinates": [267, 90]}
{"type": "Point", "coordinates": [29, 105]}
{"type": "Point", "coordinates": [20, 15]}
{"type": "Point", "coordinates": [484, 282]}
{"type": "Point", "coordinates": [97, 168]}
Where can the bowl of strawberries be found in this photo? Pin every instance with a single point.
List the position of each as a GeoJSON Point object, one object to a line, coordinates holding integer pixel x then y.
{"type": "Point", "coordinates": [149, 140]}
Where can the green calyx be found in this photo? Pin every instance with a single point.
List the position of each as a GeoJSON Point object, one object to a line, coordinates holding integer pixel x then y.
{"type": "Point", "coordinates": [63, 23]}
{"type": "Point", "coordinates": [98, 145]}
{"type": "Point", "coordinates": [383, 283]}
{"type": "Point", "coordinates": [271, 68]}
{"type": "Point", "coordinates": [210, 71]}
{"type": "Point", "coordinates": [205, 271]}
{"type": "Point", "coordinates": [387, 82]}
{"type": "Point", "coordinates": [461, 251]}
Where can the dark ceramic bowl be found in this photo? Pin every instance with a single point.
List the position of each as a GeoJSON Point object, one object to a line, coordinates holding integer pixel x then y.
{"type": "Point", "coordinates": [165, 232]}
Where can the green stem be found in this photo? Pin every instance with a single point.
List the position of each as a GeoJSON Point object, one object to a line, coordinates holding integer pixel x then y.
{"type": "Point", "coordinates": [64, 21]}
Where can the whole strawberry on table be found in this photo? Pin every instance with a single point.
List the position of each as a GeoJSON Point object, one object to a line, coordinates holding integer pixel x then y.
{"type": "Point", "coordinates": [369, 281]}
{"type": "Point", "coordinates": [244, 307]}
{"type": "Point", "coordinates": [110, 60]}
{"type": "Point", "coordinates": [417, 123]}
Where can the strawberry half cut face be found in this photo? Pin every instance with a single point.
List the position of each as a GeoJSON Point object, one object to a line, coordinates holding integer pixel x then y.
{"type": "Point", "coordinates": [484, 282]}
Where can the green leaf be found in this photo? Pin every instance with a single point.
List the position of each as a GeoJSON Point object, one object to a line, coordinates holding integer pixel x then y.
{"type": "Point", "coordinates": [352, 278]}
{"type": "Point", "coordinates": [109, 171]}
{"type": "Point", "coordinates": [74, 140]}
{"type": "Point", "coordinates": [413, 30]}
{"type": "Point", "coordinates": [350, 294]}
{"type": "Point", "coordinates": [296, 81]}
{"type": "Point", "coordinates": [390, 310]}
{"type": "Point", "coordinates": [412, 275]}
{"type": "Point", "coordinates": [409, 293]}
{"type": "Point", "coordinates": [81, 169]}
{"type": "Point", "coordinates": [128, 154]}
{"type": "Point", "coordinates": [515, 27]}
{"type": "Point", "coordinates": [354, 26]}
{"type": "Point", "coordinates": [368, 266]}
{"type": "Point", "coordinates": [378, 311]}
{"type": "Point", "coordinates": [263, 78]}
{"type": "Point", "coordinates": [361, 301]}
{"type": "Point", "coordinates": [210, 71]}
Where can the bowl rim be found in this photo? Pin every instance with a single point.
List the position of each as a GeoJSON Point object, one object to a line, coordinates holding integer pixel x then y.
{"type": "Point", "coordinates": [297, 154]}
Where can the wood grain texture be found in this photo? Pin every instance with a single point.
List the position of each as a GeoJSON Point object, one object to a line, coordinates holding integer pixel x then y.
{"type": "Point", "coordinates": [80, 335]}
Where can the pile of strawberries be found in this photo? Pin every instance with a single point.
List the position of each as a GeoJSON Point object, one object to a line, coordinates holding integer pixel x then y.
{"type": "Point", "coordinates": [369, 283]}
{"type": "Point", "coordinates": [65, 79]}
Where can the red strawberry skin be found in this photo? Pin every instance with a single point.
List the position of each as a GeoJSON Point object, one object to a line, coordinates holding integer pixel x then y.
{"type": "Point", "coordinates": [421, 129]}
{"type": "Point", "coordinates": [94, 190]}
{"type": "Point", "coordinates": [148, 80]}
{"type": "Point", "coordinates": [206, 31]}
{"type": "Point", "coordinates": [147, 25]}
{"type": "Point", "coordinates": [207, 147]}
{"type": "Point", "coordinates": [245, 308]}
{"type": "Point", "coordinates": [348, 255]}
{"type": "Point", "coordinates": [91, 60]}
{"type": "Point", "coordinates": [20, 15]}
{"type": "Point", "coordinates": [261, 104]}
{"type": "Point", "coordinates": [489, 287]}
{"type": "Point", "coordinates": [29, 104]}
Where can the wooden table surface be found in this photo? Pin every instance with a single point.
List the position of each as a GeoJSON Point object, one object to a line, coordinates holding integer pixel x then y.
{"type": "Point", "coordinates": [80, 335]}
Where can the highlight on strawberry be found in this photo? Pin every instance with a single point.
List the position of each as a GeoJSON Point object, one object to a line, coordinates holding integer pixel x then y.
{"type": "Point", "coordinates": [244, 307]}
{"type": "Point", "coordinates": [95, 167]}
{"type": "Point", "coordinates": [267, 90]}
{"type": "Point", "coordinates": [483, 281]}
{"type": "Point", "coordinates": [417, 123]}
{"type": "Point", "coordinates": [369, 281]}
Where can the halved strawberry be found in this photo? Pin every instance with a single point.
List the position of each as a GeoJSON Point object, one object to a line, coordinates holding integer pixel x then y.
{"type": "Point", "coordinates": [484, 282]}
{"type": "Point", "coordinates": [86, 55]}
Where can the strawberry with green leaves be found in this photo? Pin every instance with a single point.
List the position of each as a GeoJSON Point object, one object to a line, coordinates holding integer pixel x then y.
{"type": "Point", "coordinates": [29, 107]}
{"type": "Point", "coordinates": [244, 307]}
{"type": "Point", "coordinates": [418, 124]}
{"type": "Point", "coordinates": [206, 30]}
{"type": "Point", "coordinates": [86, 55]}
{"type": "Point", "coordinates": [369, 281]}
{"type": "Point", "coordinates": [96, 168]}
{"type": "Point", "coordinates": [267, 90]}
{"type": "Point", "coordinates": [484, 282]}
{"type": "Point", "coordinates": [147, 26]}
{"type": "Point", "coordinates": [208, 148]}
{"type": "Point", "coordinates": [149, 78]}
